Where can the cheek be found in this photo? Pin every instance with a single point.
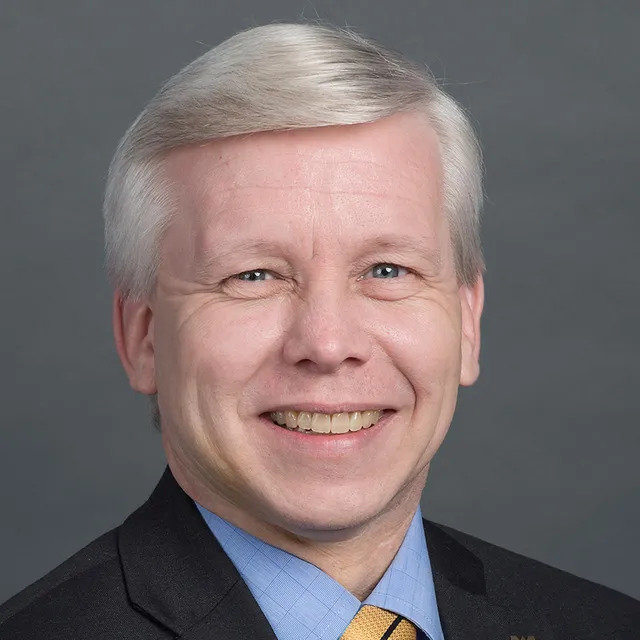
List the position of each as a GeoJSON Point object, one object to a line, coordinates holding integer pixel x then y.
{"type": "Point", "coordinates": [424, 344]}
{"type": "Point", "coordinates": [207, 357]}
{"type": "Point", "coordinates": [221, 346]}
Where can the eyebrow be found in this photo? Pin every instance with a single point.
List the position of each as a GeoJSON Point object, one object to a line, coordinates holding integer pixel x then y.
{"type": "Point", "coordinates": [398, 243]}
{"type": "Point", "coordinates": [251, 247]}
{"type": "Point", "coordinates": [417, 244]}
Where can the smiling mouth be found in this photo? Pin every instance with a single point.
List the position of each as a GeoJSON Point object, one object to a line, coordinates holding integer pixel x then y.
{"type": "Point", "coordinates": [323, 423]}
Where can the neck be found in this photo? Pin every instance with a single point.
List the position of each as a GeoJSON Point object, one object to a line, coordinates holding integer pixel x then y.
{"type": "Point", "coordinates": [356, 558]}
{"type": "Point", "coordinates": [357, 562]}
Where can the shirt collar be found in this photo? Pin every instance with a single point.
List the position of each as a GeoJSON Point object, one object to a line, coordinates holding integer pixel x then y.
{"type": "Point", "coordinates": [407, 585]}
{"type": "Point", "coordinates": [301, 602]}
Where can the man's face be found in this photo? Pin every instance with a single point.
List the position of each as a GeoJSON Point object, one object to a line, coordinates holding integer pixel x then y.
{"type": "Point", "coordinates": [310, 271]}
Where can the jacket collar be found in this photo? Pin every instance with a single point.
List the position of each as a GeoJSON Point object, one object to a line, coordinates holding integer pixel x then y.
{"type": "Point", "coordinates": [176, 573]}
{"type": "Point", "coordinates": [466, 604]}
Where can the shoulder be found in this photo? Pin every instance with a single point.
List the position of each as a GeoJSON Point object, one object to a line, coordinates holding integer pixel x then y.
{"type": "Point", "coordinates": [567, 600]}
{"type": "Point", "coordinates": [84, 597]}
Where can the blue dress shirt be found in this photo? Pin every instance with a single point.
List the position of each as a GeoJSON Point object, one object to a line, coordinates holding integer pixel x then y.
{"type": "Point", "coordinates": [301, 602]}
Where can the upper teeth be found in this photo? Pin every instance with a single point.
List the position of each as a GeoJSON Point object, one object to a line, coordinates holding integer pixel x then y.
{"type": "Point", "coordinates": [326, 422]}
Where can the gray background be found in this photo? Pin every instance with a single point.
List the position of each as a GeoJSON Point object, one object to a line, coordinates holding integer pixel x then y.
{"type": "Point", "coordinates": [543, 454]}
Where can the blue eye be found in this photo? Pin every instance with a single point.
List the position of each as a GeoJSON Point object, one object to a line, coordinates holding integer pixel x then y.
{"type": "Point", "coordinates": [387, 270]}
{"type": "Point", "coordinates": [254, 275]}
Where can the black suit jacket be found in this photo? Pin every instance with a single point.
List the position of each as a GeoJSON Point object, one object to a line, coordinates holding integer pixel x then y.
{"type": "Point", "coordinates": [162, 574]}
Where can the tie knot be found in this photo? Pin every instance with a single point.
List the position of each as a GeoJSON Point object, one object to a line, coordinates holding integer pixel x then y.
{"type": "Point", "coordinates": [374, 623]}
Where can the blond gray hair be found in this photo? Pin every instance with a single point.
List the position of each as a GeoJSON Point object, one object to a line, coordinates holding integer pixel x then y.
{"type": "Point", "coordinates": [270, 78]}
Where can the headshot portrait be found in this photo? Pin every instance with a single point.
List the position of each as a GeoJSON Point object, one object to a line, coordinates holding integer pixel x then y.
{"type": "Point", "coordinates": [320, 322]}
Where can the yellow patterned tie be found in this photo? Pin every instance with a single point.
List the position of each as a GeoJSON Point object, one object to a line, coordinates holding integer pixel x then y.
{"type": "Point", "coordinates": [373, 623]}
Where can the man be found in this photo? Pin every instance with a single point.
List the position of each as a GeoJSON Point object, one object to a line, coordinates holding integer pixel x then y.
{"type": "Point", "coordinates": [292, 235]}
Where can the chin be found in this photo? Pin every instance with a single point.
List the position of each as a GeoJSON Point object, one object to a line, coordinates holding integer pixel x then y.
{"type": "Point", "coordinates": [314, 514]}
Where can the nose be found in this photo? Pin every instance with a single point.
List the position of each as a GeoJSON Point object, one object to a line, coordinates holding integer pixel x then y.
{"type": "Point", "coordinates": [326, 331]}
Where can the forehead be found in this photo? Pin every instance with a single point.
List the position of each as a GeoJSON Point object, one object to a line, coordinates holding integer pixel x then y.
{"type": "Point", "coordinates": [354, 180]}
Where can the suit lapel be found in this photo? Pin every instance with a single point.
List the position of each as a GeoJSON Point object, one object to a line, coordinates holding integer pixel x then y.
{"type": "Point", "coordinates": [236, 617]}
{"type": "Point", "coordinates": [465, 604]}
{"type": "Point", "coordinates": [176, 572]}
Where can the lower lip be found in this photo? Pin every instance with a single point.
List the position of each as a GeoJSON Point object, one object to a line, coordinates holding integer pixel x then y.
{"type": "Point", "coordinates": [330, 444]}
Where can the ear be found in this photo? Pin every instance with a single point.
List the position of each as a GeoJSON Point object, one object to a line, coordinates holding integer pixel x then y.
{"type": "Point", "coordinates": [133, 333]}
{"type": "Point", "coordinates": [471, 304]}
